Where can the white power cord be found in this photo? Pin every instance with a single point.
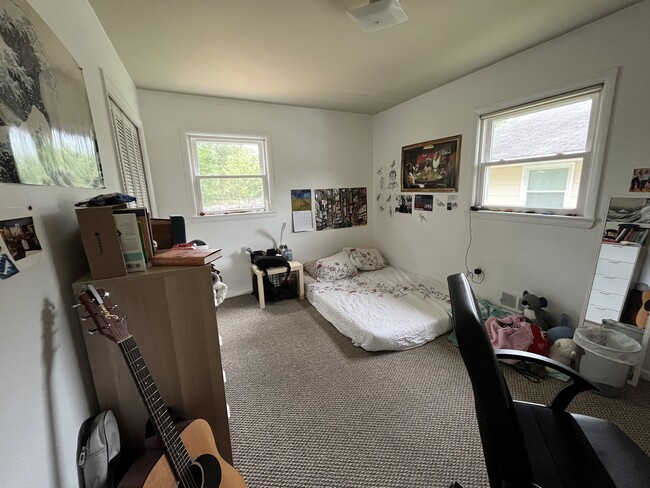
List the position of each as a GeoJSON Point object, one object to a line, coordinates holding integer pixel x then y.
{"type": "Point", "coordinates": [468, 273]}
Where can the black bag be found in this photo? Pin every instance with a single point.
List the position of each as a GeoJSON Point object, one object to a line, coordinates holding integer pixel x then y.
{"type": "Point", "coordinates": [276, 287]}
{"type": "Point", "coordinates": [266, 262]}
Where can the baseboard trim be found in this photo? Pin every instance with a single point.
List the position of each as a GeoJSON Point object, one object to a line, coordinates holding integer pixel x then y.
{"type": "Point", "coordinates": [238, 293]}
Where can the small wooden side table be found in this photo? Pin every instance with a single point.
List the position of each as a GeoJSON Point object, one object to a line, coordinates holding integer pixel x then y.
{"type": "Point", "coordinates": [259, 274]}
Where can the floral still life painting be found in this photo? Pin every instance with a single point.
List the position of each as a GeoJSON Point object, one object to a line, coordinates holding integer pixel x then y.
{"type": "Point", "coordinates": [46, 130]}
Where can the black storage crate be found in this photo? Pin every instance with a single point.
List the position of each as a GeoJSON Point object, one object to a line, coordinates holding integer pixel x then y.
{"type": "Point", "coordinates": [275, 287]}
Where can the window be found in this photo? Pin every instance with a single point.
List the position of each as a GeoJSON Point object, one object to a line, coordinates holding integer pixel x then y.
{"type": "Point", "coordinates": [230, 174]}
{"type": "Point", "coordinates": [548, 186]}
{"type": "Point", "coordinates": [543, 156]}
{"type": "Point", "coordinates": [129, 151]}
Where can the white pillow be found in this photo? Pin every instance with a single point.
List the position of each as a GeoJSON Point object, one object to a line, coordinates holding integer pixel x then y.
{"type": "Point", "coordinates": [331, 268]}
{"type": "Point", "coordinates": [365, 259]}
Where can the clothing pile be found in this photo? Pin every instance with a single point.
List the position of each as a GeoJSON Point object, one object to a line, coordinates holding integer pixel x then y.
{"type": "Point", "coordinates": [514, 332]}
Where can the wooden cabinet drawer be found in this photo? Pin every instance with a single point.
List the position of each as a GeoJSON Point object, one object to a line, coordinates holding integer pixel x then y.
{"type": "Point", "coordinates": [596, 313]}
{"type": "Point", "coordinates": [619, 269]}
{"type": "Point", "coordinates": [610, 284]}
{"type": "Point", "coordinates": [617, 252]}
{"type": "Point", "coordinates": [606, 299]}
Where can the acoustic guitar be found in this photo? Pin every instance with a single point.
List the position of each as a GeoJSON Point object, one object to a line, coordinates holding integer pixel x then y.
{"type": "Point", "coordinates": [644, 311]}
{"type": "Point", "coordinates": [185, 455]}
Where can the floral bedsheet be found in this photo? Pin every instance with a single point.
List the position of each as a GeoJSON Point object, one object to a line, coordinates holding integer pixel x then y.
{"type": "Point", "coordinates": [388, 309]}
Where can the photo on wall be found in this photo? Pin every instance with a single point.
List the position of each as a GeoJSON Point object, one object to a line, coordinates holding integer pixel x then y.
{"type": "Point", "coordinates": [640, 180]}
{"type": "Point", "coordinates": [20, 244]}
{"type": "Point", "coordinates": [424, 203]}
{"type": "Point", "coordinates": [404, 204]}
{"type": "Point", "coordinates": [46, 129]}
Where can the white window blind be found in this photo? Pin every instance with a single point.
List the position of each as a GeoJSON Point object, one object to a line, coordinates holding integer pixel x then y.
{"type": "Point", "coordinates": [127, 141]}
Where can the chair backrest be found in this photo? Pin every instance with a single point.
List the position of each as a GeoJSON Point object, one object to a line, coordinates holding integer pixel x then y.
{"type": "Point", "coordinates": [504, 449]}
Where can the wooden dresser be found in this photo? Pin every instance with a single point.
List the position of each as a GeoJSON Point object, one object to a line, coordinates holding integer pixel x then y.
{"type": "Point", "coordinates": [171, 314]}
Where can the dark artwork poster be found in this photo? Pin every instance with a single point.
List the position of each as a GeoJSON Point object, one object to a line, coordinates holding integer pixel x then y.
{"type": "Point", "coordinates": [404, 204]}
{"type": "Point", "coordinates": [338, 208]}
{"type": "Point", "coordinates": [46, 130]}
{"type": "Point", "coordinates": [424, 203]}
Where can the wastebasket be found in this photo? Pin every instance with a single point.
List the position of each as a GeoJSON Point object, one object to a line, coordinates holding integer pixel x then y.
{"type": "Point", "coordinates": [609, 354]}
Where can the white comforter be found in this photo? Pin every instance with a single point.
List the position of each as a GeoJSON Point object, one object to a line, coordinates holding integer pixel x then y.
{"type": "Point", "coordinates": [389, 309]}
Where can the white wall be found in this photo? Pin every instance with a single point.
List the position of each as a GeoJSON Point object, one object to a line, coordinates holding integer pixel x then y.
{"type": "Point", "coordinates": [45, 384]}
{"type": "Point", "coordinates": [556, 262]}
{"type": "Point", "coordinates": [320, 149]}
{"type": "Point", "coordinates": [309, 149]}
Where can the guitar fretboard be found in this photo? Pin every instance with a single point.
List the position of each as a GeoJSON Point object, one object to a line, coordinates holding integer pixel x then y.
{"type": "Point", "coordinates": [174, 447]}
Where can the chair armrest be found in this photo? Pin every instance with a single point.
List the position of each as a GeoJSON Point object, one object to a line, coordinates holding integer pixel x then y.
{"type": "Point", "coordinates": [578, 383]}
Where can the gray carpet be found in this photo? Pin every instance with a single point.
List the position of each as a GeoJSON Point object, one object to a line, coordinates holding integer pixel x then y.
{"type": "Point", "coordinates": [309, 409]}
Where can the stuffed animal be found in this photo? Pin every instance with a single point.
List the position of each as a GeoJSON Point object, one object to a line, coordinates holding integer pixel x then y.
{"type": "Point", "coordinates": [563, 351]}
{"type": "Point", "coordinates": [533, 310]}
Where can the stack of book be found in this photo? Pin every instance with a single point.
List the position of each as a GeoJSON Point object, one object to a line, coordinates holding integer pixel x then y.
{"type": "Point", "coordinates": [185, 257]}
{"type": "Point", "coordinates": [632, 234]}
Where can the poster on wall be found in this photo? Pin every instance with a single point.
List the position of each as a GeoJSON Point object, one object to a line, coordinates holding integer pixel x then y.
{"type": "Point", "coordinates": [20, 245]}
{"type": "Point", "coordinates": [46, 130]}
{"type": "Point", "coordinates": [301, 210]}
{"type": "Point", "coordinates": [337, 208]}
{"type": "Point", "coordinates": [424, 203]}
{"type": "Point", "coordinates": [431, 166]}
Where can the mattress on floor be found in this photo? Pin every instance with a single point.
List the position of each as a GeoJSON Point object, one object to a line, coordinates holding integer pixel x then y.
{"type": "Point", "coordinates": [385, 310]}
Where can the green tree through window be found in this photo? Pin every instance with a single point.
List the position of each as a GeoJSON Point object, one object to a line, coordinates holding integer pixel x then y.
{"type": "Point", "coordinates": [231, 173]}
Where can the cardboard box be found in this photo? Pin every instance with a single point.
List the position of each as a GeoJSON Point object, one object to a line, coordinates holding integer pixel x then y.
{"type": "Point", "coordinates": [100, 241]}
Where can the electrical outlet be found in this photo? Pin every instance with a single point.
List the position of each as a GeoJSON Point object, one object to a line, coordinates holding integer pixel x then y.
{"type": "Point", "coordinates": [509, 300]}
{"type": "Point", "coordinates": [519, 307]}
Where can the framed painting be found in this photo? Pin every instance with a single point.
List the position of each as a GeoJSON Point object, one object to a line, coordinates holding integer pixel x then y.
{"type": "Point", "coordinates": [46, 129]}
{"type": "Point", "coordinates": [431, 166]}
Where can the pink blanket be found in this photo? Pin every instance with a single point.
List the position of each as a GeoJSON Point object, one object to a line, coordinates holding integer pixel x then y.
{"type": "Point", "coordinates": [511, 332]}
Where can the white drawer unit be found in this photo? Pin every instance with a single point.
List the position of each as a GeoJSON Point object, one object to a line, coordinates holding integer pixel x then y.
{"type": "Point", "coordinates": [613, 301]}
{"type": "Point", "coordinates": [616, 272]}
{"type": "Point", "coordinates": [596, 313]}
{"type": "Point", "coordinates": [618, 269]}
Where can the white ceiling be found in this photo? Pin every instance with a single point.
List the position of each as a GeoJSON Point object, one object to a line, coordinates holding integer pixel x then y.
{"type": "Point", "coordinates": [309, 53]}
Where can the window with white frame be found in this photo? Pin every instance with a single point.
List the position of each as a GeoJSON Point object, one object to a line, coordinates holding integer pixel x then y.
{"type": "Point", "coordinates": [538, 157]}
{"type": "Point", "coordinates": [230, 174]}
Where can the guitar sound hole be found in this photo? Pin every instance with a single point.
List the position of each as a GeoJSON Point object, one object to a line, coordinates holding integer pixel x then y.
{"type": "Point", "coordinates": [205, 472]}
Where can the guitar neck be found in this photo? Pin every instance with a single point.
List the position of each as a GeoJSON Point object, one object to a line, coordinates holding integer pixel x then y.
{"type": "Point", "coordinates": [158, 413]}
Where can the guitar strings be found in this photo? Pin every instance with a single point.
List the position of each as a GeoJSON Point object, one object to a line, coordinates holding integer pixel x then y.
{"type": "Point", "coordinates": [131, 352]}
{"type": "Point", "coordinates": [167, 432]}
{"type": "Point", "coordinates": [161, 415]}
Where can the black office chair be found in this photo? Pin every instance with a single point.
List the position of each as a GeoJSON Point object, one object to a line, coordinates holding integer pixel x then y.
{"type": "Point", "coordinates": [528, 445]}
